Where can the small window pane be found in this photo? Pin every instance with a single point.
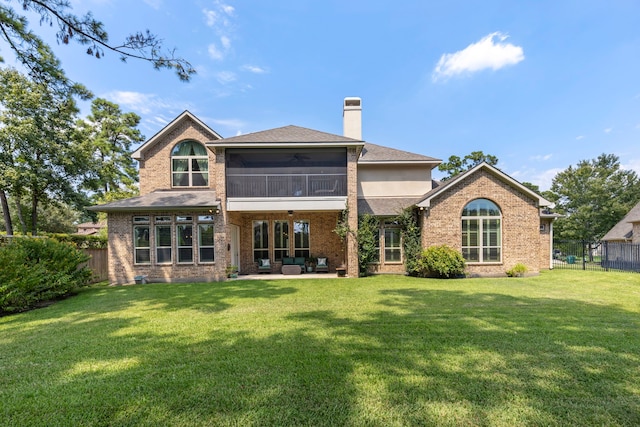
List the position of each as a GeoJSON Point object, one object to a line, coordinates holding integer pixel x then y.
{"type": "Point", "coordinates": [163, 244]}
{"type": "Point", "coordinates": [206, 242]}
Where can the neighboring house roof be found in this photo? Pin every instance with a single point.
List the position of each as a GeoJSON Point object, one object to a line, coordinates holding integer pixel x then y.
{"type": "Point", "coordinates": [87, 228]}
{"type": "Point", "coordinates": [385, 206]}
{"type": "Point", "coordinates": [163, 200]}
{"type": "Point", "coordinates": [378, 154]}
{"type": "Point", "coordinates": [286, 135]}
{"type": "Point", "coordinates": [139, 153]}
{"type": "Point", "coordinates": [623, 230]}
{"type": "Point", "coordinates": [426, 201]}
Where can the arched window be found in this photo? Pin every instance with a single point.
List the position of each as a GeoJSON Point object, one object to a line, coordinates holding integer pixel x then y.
{"type": "Point", "coordinates": [482, 232]}
{"type": "Point", "coordinates": [189, 165]}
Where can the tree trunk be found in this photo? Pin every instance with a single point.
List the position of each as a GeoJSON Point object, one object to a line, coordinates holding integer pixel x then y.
{"type": "Point", "coordinates": [34, 214]}
{"type": "Point", "coordinates": [5, 212]}
{"type": "Point", "coordinates": [20, 216]}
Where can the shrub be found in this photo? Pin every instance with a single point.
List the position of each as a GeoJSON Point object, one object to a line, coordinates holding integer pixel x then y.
{"type": "Point", "coordinates": [411, 241]}
{"type": "Point", "coordinates": [441, 262]}
{"type": "Point", "coordinates": [517, 270]}
{"type": "Point", "coordinates": [368, 229]}
{"type": "Point", "coordinates": [40, 269]}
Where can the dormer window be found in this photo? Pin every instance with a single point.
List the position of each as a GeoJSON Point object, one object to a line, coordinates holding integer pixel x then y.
{"type": "Point", "coordinates": [190, 165]}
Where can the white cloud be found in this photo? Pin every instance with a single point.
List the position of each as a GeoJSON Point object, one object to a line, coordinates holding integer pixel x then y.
{"type": "Point", "coordinates": [225, 42]}
{"type": "Point", "coordinates": [254, 69]}
{"type": "Point", "coordinates": [608, 130]}
{"type": "Point", "coordinates": [154, 3]}
{"type": "Point", "coordinates": [215, 53]}
{"type": "Point", "coordinates": [579, 137]}
{"type": "Point", "coordinates": [210, 17]}
{"type": "Point", "coordinates": [490, 52]}
{"type": "Point", "coordinates": [542, 179]}
{"type": "Point", "coordinates": [542, 157]}
{"type": "Point", "coordinates": [225, 77]}
{"type": "Point", "coordinates": [631, 164]}
{"type": "Point", "coordinates": [145, 104]}
{"type": "Point", "coordinates": [231, 123]}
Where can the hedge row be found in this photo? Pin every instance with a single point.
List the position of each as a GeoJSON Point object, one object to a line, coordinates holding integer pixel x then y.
{"type": "Point", "coordinates": [34, 270]}
{"type": "Point", "coordinates": [76, 240]}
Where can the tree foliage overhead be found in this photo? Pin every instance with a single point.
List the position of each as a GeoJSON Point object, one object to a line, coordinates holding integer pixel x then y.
{"type": "Point", "coordinates": [107, 135]}
{"type": "Point", "coordinates": [455, 165]}
{"type": "Point", "coordinates": [85, 30]}
{"type": "Point", "coordinates": [38, 160]}
{"type": "Point", "coordinates": [594, 196]}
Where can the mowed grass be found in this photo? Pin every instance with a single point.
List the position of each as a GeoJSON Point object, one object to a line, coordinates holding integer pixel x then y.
{"type": "Point", "coordinates": [559, 349]}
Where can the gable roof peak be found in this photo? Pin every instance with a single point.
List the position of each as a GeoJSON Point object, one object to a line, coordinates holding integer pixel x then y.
{"type": "Point", "coordinates": [426, 201]}
{"type": "Point", "coordinates": [185, 115]}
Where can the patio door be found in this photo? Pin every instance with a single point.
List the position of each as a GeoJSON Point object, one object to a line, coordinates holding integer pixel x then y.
{"type": "Point", "coordinates": [234, 245]}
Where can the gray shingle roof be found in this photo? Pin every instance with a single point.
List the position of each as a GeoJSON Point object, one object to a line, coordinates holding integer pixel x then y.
{"type": "Point", "coordinates": [163, 200]}
{"type": "Point", "coordinates": [623, 230]}
{"type": "Point", "coordinates": [285, 134]}
{"type": "Point", "coordinates": [372, 153]}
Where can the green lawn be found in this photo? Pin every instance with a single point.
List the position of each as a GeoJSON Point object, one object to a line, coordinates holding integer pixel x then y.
{"type": "Point", "coordinates": [562, 348]}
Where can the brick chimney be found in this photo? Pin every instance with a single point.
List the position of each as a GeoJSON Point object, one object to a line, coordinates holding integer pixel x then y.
{"type": "Point", "coordinates": [352, 118]}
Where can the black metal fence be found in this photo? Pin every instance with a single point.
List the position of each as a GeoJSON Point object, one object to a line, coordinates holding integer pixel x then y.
{"type": "Point", "coordinates": [596, 256]}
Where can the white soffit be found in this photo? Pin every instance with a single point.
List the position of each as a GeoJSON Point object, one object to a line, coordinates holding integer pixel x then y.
{"type": "Point", "coordinates": [238, 204]}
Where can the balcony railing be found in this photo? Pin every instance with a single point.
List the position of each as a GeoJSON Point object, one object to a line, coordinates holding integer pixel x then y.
{"type": "Point", "coordinates": [275, 185]}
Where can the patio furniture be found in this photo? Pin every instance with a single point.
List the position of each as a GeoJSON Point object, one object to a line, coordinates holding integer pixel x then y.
{"type": "Point", "coordinates": [290, 269]}
{"type": "Point", "coordinates": [322, 266]}
{"type": "Point", "coordinates": [264, 265]}
{"type": "Point", "coordinates": [297, 261]}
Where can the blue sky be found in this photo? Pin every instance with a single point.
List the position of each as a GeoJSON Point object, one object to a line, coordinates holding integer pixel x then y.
{"type": "Point", "coordinates": [539, 84]}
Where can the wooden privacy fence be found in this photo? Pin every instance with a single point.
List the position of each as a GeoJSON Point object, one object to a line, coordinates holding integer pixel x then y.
{"type": "Point", "coordinates": [98, 264]}
{"type": "Point", "coordinates": [603, 256]}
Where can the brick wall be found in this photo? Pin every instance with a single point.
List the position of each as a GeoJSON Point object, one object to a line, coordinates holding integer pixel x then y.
{"type": "Point", "coordinates": [521, 235]}
{"type": "Point", "coordinates": [352, 203]}
{"type": "Point", "coordinates": [122, 269]}
{"type": "Point", "coordinates": [155, 169]}
{"type": "Point", "coordinates": [323, 241]}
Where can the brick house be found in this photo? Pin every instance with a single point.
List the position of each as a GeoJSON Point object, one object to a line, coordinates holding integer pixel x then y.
{"type": "Point", "coordinates": [207, 202]}
{"type": "Point", "coordinates": [627, 230]}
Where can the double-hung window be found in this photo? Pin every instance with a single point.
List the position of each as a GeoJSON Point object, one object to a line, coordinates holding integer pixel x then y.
{"type": "Point", "coordinates": [482, 232]}
{"type": "Point", "coordinates": [281, 240]}
{"type": "Point", "coordinates": [301, 238]}
{"type": "Point", "coordinates": [189, 165]}
{"type": "Point", "coordinates": [260, 240]}
{"type": "Point", "coordinates": [163, 240]}
{"type": "Point", "coordinates": [141, 243]}
{"type": "Point", "coordinates": [392, 242]}
{"type": "Point", "coordinates": [205, 239]}
{"type": "Point", "coordinates": [184, 238]}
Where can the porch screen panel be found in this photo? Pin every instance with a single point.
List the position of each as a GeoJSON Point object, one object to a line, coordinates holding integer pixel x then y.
{"type": "Point", "coordinates": [281, 239]}
{"type": "Point", "coordinates": [301, 239]}
{"type": "Point", "coordinates": [260, 240]}
{"type": "Point", "coordinates": [290, 172]}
